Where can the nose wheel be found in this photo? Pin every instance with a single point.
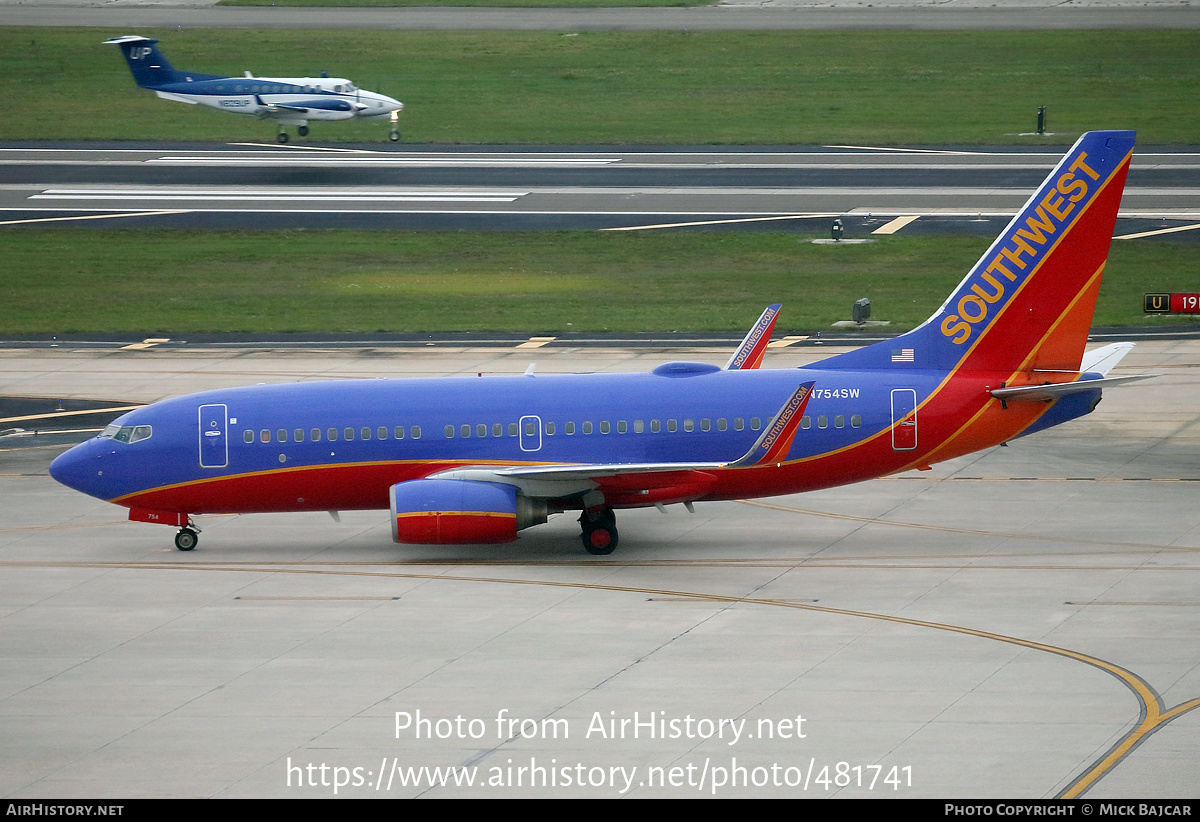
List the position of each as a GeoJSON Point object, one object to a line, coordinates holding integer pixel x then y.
{"type": "Point", "coordinates": [599, 531]}
{"type": "Point", "coordinates": [187, 537]}
{"type": "Point", "coordinates": [281, 137]}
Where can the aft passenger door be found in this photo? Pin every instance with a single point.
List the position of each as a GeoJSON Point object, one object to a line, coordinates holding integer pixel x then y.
{"type": "Point", "coordinates": [214, 444]}
{"type": "Point", "coordinates": [904, 419]}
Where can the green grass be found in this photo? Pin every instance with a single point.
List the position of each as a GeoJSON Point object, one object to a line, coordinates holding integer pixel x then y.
{"type": "Point", "coordinates": [153, 283]}
{"type": "Point", "coordinates": [796, 87]}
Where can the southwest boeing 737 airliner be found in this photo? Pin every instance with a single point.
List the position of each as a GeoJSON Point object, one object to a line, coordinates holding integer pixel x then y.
{"type": "Point", "coordinates": [475, 460]}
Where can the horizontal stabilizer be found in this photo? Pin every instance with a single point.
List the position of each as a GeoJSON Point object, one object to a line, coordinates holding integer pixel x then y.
{"type": "Point", "coordinates": [1052, 391]}
{"type": "Point", "coordinates": [1102, 360]}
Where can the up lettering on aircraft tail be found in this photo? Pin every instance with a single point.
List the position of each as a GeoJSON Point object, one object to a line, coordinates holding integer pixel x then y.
{"type": "Point", "coordinates": [1021, 249]}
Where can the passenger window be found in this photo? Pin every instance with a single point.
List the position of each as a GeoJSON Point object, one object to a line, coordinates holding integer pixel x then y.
{"type": "Point", "coordinates": [639, 427]}
{"type": "Point", "coordinates": [247, 436]}
{"type": "Point", "coordinates": [806, 421]}
{"type": "Point", "coordinates": [604, 428]}
{"type": "Point", "coordinates": [739, 424]}
{"type": "Point", "coordinates": [550, 429]}
{"type": "Point", "coordinates": [655, 426]}
{"type": "Point", "coordinates": [569, 428]}
{"type": "Point", "coordinates": [398, 432]}
{"type": "Point", "coordinates": [298, 435]}
{"type": "Point", "coordinates": [449, 432]}
{"type": "Point", "coordinates": [755, 424]}
{"type": "Point", "coordinates": [497, 430]}
{"type": "Point", "coordinates": [264, 435]}
{"type": "Point", "coordinates": [672, 426]}
{"type": "Point", "coordinates": [364, 433]}
{"type": "Point", "coordinates": [315, 435]}
{"type": "Point", "coordinates": [856, 421]}
{"type": "Point", "coordinates": [481, 430]}
{"type": "Point", "coordinates": [348, 434]}
{"type": "Point", "coordinates": [381, 432]}
{"type": "Point", "coordinates": [512, 429]}
{"type": "Point", "coordinates": [331, 434]}
{"type": "Point", "coordinates": [531, 429]}
{"type": "Point", "coordinates": [622, 427]}
{"type": "Point", "coordinates": [839, 421]}
{"type": "Point", "coordinates": [416, 432]}
{"type": "Point", "coordinates": [587, 428]}
{"type": "Point", "coordinates": [722, 424]}
{"type": "Point", "coordinates": [705, 425]}
{"type": "Point", "coordinates": [822, 421]}
{"type": "Point", "coordinates": [464, 430]}
{"type": "Point", "coordinates": [689, 426]}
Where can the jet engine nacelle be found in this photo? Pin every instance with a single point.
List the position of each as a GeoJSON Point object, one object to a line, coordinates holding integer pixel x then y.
{"type": "Point", "coordinates": [460, 512]}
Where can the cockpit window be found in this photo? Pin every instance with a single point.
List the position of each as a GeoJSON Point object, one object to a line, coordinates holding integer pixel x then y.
{"type": "Point", "coordinates": [127, 433]}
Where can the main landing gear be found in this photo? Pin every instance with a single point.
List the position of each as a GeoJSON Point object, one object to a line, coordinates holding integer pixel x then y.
{"type": "Point", "coordinates": [599, 534]}
{"type": "Point", "coordinates": [282, 136]}
{"type": "Point", "coordinates": [187, 537]}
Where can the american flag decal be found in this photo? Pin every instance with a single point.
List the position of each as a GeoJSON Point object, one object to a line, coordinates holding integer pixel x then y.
{"type": "Point", "coordinates": [902, 355]}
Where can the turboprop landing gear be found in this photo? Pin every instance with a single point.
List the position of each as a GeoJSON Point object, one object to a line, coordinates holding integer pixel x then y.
{"type": "Point", "coordinates": [599, 534]}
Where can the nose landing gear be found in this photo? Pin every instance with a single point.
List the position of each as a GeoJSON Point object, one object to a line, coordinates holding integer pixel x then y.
{"type": "Point", "coordinates": [187, 537]}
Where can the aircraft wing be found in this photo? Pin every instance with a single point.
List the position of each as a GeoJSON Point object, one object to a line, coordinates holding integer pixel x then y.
{"type": "Point", "coordinates": [750, 353]}
{"type": "Point", "coordinates": [683, 479]}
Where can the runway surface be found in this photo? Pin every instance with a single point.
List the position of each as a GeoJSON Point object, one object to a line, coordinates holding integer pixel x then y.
{"type": "Point", "coordinates": [819, 15]}
{"type": "Point", "coordinates": [1018, 624]}
{"type": "Point", "coordinates": [506, 188]}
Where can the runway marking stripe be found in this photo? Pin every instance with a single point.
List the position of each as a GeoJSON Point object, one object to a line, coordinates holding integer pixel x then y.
{"type": "Point", "coordinates": [1156, 232]}
{"type": "Point", "coordinates": [58, 414]}
{"type": "Point", "coordinates": [718, 222]}
{"type": "Point", "coordinates": [896, 224]}
{"type": "Point", "coordinates": [88, 216]}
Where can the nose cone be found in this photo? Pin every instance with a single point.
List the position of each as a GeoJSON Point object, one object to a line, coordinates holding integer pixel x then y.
{"type": "Point", "coordinates": [80, 468]}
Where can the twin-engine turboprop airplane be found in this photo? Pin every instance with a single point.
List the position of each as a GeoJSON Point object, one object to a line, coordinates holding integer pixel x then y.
{"type": "Point", "coordinates": [289, 101]}
{"type": "Point", "coordinates": [475, 460]}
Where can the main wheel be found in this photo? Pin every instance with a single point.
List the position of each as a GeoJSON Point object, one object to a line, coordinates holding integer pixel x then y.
{"type": "Point", "coordinates": [600, 540]}
{"type": "Point", "coordinates": [599, 534]}
{"type": "Point", "coordinates": [302, 131]}
{"type": "Point", "coordinates": [394, 136]}
{"type": "Point", "coordinates": [282, 137]}
{"type": "Point", "coordinates": [186, 539]}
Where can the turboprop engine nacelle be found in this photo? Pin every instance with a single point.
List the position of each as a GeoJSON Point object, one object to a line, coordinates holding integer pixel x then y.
{"type": "Point", "coordinates": [460, 512]}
